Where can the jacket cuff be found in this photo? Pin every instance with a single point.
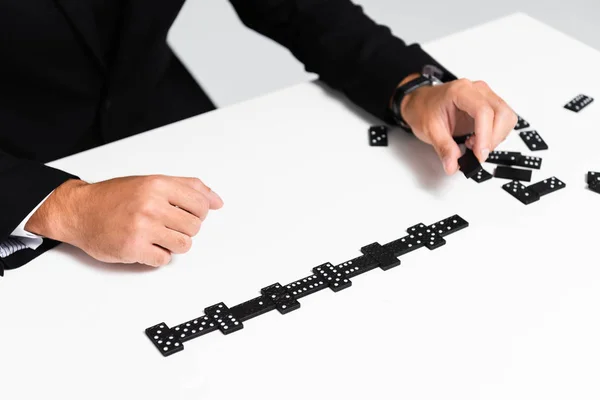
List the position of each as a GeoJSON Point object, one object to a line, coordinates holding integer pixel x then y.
{"type": "Point", "coordinates": [388, 68]}
{"type": "Point", "coordinates": [28, 183]}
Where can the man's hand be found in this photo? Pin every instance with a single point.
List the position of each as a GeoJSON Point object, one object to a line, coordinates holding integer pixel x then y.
{"type": "Point", "coordinates": [437, 113]}
{"type": "Point", "coordinates": [139, 219]}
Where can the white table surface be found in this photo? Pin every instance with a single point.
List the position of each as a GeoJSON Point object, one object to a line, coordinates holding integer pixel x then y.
{"type": "Point", "coordinates": [507, 309]}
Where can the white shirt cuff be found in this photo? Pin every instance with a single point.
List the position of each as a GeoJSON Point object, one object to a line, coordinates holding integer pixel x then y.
{"type": "Point", "coordinates": [29, 239]}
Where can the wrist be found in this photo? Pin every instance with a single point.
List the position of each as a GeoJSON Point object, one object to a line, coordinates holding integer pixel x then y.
{"type": "Point", "coordinates": [56, 218]}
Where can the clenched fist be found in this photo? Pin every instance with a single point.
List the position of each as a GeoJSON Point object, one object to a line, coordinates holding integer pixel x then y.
{"type": "Point", "coordinates": [138, 219]}
{"type": "Point", "coordinates": [437, 113]}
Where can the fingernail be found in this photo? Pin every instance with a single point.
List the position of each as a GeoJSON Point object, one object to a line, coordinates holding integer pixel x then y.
{"type": "Point", "coordinates": [485, 153]}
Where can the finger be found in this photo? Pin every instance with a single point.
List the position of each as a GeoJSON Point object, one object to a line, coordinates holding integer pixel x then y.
{"type": "Point", "coordinates": [181, 221]}
{"type": "Point", "coordinates": [470, 142]}
{"type": "Point", "coordinates": [446, 148]}
{"type": "Point", "coordinates": [189, 200]}
{"type": "Point", "coordinates": [470, 100]}
{"type": "Point", "coordinates": [173, 241]}
{"type": "Point", "coordinates": [215, 200]}
{"type": "Point", "coordinates": [504, 117]}
{"type": "Point", "coordinates": [155, 256]}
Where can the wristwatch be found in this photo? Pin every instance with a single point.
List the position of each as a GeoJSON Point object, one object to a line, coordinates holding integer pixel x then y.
{"type": "Point", "coordinates": [430, 76]}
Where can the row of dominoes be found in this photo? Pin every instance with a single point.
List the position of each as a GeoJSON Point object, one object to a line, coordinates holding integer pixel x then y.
{"type": "Point", "coordinates": [284, 298]}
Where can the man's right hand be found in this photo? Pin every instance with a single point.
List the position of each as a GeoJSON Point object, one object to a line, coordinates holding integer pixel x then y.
{"type": "Point", "coordinates": [138, 219]}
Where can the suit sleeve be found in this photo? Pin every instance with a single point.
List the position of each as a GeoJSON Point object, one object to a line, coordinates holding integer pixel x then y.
{"type": "Point", "coordinates": [335, 39]}
{"type": "Point", "coordinates": [24, 184]}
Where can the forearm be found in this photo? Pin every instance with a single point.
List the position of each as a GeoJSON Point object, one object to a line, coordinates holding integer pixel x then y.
{"type": "Point", "coordinates": [335, 39]}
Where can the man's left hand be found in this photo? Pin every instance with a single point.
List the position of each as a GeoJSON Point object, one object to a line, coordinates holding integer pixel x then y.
{"type": "Point", "coordinates": [438, 113]}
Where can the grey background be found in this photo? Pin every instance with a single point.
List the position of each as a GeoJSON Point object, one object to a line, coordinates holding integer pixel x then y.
{"type": "Point", "coordinates": [234, 63]}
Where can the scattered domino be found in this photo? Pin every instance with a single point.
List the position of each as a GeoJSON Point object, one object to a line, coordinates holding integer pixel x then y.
{"type": "Point", "coordinates": [579, 103]}
{"type": "Point", "coordinates": [514, 159]}
{"type": "Point", "coordinates": [482, 176]}
{"type": "Point", "coordinates": [514, 174]}
{"type": "Point", "coordinates": [533, 140]}
{"type": "Point", "coordinates": [378, 135]}
{"type": "Point", "coordinates": [593, 177]}
{"type": "Point", "coordinates": [469, 164]}
{"type": "Point", "coordinates": [532, 193]}
{"type": "Point", "coordinates": [529, 162]}
{"type": "Point", "coordinates": [284, 298]}
{"type": "Point", "coordinates": [593, 180]}
{"type": "Point", "coordinates": [462, 139]}
{"type": "Point", "coordinates": [521, 124]}
{"type": "Point", "coordinates": [547, 186]}
{"type": "Point", "coordinates": [521, 192]}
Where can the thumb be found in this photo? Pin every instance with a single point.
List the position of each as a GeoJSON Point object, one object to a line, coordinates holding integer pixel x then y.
{"type": "Point", "coordinates": [447, 150]}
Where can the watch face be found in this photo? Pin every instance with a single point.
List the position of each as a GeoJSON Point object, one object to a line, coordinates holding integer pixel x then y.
{"type": "Point", "coordinates": [432, 70]}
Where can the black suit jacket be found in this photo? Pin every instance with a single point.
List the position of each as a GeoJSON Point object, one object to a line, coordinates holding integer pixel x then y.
{"type": "Point", "coordinates": [58, 95]}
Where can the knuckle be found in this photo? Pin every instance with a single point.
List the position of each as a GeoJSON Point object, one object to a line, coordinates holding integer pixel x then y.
{"type": "Point", "coordinates": [485, 110]}
{"type": "Point", "coordinates": [138, 225]}
{"type": "Point", "coordinates": [203, 206]}
{"type": "Point", "coordinates": [197, 184]}
{"type": "Point", "coordinates": [481, 84]}
{"type": "Point", "coordinates": [459, 86]}
{"type": "Point", "coordinates": [162, 259]}
{"type": "Point", "coordinates": [130, 244]}
{"type": "Point", "coordinates": [195, 226]}
{"type": "Point", "coordinates": [184, 243]}
{"type": "Point", "coordinates": [147, 207]}
{"type": "Point", "coordinates": [155, 182]}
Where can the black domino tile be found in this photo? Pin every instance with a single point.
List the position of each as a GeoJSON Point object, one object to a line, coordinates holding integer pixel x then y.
{"type": "Point", "coordinates": [384, 257]}
{"type": "Point", "coordinates": [513, 174]}
{"type": "Point", "coordinates": [305, 286]}
{"type": "Point", "coordinates": [194, 328]}
{"type": "Point", "coordinates": [482, 176]}
{"type": "Point", "coordinates": [434, 240]}
{"type": "Point", "coordinates": [521, 124]}
{"type": "Point", "coordinates": [405, 245]}
{"type": "Point", "coordinates": [503, 157]}
{"type": "Point", "coordinates": [579, 103]}
{"type": "Point", "coordinates": [593, 180]}
{"type": "Point", "coordinates": [462, 139]}
{"type": "Point", "coordinates": [469, 164]}
{"type": "Point", "coordinates": [335, 278]}
{"type": "Point", "coordinates": [593, 177]}
{"type": "Point", "coordinates": [223, 318]}
{"type": "Point", "coordinates": [521, 192]}
{"type": "Point", "coordinates": [252, 308]}
{"type": "Point", "coordinates": [516, 159]}
{"type": "Point", "coordinates": [529, 162]}
{"type": "Point", "coordinates": [159, 336]}
{"type": "Point", "coordinates": [533, 140]}
{"type": "Point", "coordinates": [378, 135]}
{"type": "Point", "coordinates": [285, 298]}
{"type": "Point", "coordinates": [595, 187]}
{"type": "Point", "coordinates": [547, 186]}
{"type": "Point", "coordinates": [357, 266]}
{"type": "Point", "coordinates": [449, 225]}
